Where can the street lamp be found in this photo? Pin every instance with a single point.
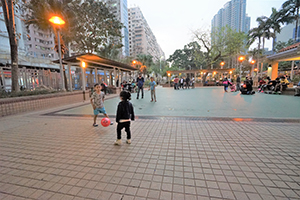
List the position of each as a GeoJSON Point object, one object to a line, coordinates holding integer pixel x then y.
{"type": "Point", "coordinates": [241, 59]}
{"type": "Point", "coordinates": [252, 62]}
{"type": "Point", "coordinates": [83, 65]}
{"type": "Point", "coordinates": [222, 64]}
{"type": "Point", "coordinates": [59, 21]}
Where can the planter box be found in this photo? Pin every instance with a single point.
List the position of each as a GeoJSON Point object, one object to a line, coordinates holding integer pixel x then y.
{"type": "Point", "coordinates": [10, 106]}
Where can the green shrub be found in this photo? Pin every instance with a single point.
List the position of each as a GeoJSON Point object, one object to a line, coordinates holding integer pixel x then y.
{"type": "Point", "coordinates": [5, 94]}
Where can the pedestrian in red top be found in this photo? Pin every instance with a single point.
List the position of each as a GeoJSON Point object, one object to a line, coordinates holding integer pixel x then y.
{"type": "Point", "coordinates": [176, 83]}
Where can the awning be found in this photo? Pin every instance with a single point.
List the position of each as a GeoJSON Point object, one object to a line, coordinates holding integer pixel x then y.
{"type": "Point", "coordinates": [93, 60]}
{"type": "Point", "coordinates": [201, 70]}
{"type": "Point", "coordinates": [287, 54]}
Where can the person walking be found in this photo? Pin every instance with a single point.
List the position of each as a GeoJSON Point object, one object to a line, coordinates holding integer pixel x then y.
{"type": "Point", "coordinates": [176, 80]}
{"type": "Point", "coordinates": [125, 113]}
{"type": "Point", "coordinates": [152, 86]}
{"type": "Point", "coordinates": [238, 83]}
{"type": "Point", "coordinates": [140, 83]}
{"type": "Point", "coordinates": [187, 82]}
{"type": "Point", "coordinates": [182, 82]}
{"type": "Point", "coordinates": [225, 83]}
{"type": "Point", "coordinates": [97, 101]}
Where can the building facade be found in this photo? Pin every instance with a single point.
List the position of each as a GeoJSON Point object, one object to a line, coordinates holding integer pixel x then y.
{"type": "Point", "coordinates": [120, 10]}
{"type": "Point", "coordinates": [288, 32]}
{"type": "Point", "coordinates": [141, 37]}
{"type": "Point", "coordinates": [233, 15]}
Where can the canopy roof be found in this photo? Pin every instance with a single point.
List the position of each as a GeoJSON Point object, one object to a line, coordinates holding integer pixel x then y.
{"type": "Point", "coordinates": [93, 60]}
{"type": "Point", "coordinates": [289, 53]}
{"type": "Point", "coordinates": [201, 70]}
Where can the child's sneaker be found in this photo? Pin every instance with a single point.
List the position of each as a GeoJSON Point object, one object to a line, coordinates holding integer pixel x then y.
{"type": "Point", "coordinates": [95, 125]}
{"type": "Point", "coordinates": [118, 142]}
{"type": "Point", "coordinates": [128, 141]}
{"type": "Point", "coordinates": [111, 123]}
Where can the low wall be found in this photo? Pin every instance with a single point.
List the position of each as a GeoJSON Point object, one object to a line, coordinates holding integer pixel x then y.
{"type": "Point", "coordinates": [16, 105]}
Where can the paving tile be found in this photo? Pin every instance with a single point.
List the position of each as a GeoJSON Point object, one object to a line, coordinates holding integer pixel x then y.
{"type": "Point", "coordinates": [170, 158]}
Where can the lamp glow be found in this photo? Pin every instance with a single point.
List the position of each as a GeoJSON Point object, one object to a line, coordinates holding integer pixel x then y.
{"type": "Point", "coordinates": [57, 20]}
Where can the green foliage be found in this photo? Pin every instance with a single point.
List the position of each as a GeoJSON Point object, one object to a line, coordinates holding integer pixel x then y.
{"type": "Point", "coordinates": [95, 26]}
{"type": "Point", "coordinates": [89, 24]}
{"type": "Point", "coordinates": [5, 94]}
{"type": "Point", "coordinates": [280, 45]}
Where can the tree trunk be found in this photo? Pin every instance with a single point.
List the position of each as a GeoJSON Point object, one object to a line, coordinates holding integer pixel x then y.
{"type": "Point", "coordinates": [296, 28]}
{"type": "Point", "coordinates": [8, 11]}
{"type": "Point", "coordinates": [65, 78]}
{"type": "Point", "coordinates": [273, 44]}
{"type": "Point", "coordinates": [259, 40]}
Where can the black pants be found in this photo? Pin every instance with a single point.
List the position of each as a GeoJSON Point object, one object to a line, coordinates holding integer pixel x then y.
{"type": "Point", "coordinates": [138, 92]}
{"type": "Point", "coordinates": [125, 125]}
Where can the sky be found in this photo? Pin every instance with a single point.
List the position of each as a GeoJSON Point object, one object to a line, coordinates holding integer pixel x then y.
{"type": "Point", "coordinates": [172, 22]}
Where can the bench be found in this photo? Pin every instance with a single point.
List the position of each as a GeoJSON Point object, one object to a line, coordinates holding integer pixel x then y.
{"type": "Point", "coordinates": [210, 83]}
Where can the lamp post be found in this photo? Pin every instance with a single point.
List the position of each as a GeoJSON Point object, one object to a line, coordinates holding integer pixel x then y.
{"type": "Point", "coordinates": [241, 59]}
{"type": "Point", "coordinates": [59, 21]}
{"type": "Point", "coordinates": [222, 64]}
{"type": "Point", "coordinates": [83, 65]}
{"type": "Point", "coordinates": [252, 62]}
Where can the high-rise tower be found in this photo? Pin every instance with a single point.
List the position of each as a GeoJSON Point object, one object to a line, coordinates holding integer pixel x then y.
{"type": "Point", "coordinates": [119, 9]}
{"type": "Point", "coordinates": [233, 15]}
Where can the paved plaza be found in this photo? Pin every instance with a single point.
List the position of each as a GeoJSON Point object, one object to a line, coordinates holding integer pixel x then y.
{"type": "Point", "coordinates": [191, 144]}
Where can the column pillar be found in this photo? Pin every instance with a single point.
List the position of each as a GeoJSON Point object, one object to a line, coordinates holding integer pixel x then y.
{"type": "Point", "coordinates": [105, 76]}
{"type": "Point", "coordinates": [83, 82]}
{"type": "Point", "coordinates": [274, 70]}
{"type": "Point", "coordinates": [96, 75]}
{"type": "Point", "coordinates": [70, 77]}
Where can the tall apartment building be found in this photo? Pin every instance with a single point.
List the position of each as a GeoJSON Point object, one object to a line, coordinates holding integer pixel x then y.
{"type": "Point", "coordinates": [4, 39]}
{"type": "Point", "coordinates": [141, 37]}
{"type": "Point", "coordinates": [40, 44]}
{"type": "Point", "coordinates": [288, 32]}
{"type": "Point", "coordinates": [119, 9]}
{"type": "Point", "coordinates": [233, 15]}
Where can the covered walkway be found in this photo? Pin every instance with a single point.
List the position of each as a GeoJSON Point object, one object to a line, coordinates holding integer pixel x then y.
{"type": "Point", "coordinates": [290, 53]}
{"type": "Point", "coordinates": [200, 73]}
{"type": "Point", "coordinates": [85, 70]}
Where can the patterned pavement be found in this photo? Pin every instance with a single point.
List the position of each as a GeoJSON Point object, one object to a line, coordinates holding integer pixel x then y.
{"type": "Point", "coordinates": [64, 157]}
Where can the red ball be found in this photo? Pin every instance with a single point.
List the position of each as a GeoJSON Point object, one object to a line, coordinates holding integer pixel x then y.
{"type": "Point", "coordinates": [105, 122]}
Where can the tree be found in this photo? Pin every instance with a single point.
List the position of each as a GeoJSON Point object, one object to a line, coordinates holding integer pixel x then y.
{"type": "Point", "coordinates": [280, 45]}
{"type": "Point", "coordinates": [38, 13]}
{"type": "Point", "coordinates": [255, 33]}
{"type": "Point", "coordinates": [290, 13]}
{"type": "Point", "coordinates": [110, 51]}
{"type": "Point", "coordinates": [9, 18]}
{"type": "Point", "coordinates": [231, 43]}
{"type": "Point", "coordinates": [274, 24]}
{"type": "Point", "coordinates": [211, 51]}
{"type": "Point", "coordinates": [96, 27]}
{"type": "Point", "coordinates": [145, 62]}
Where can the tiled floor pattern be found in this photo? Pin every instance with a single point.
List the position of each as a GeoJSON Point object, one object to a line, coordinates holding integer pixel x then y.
{"type": "Point", "coordinates": [44, 157]}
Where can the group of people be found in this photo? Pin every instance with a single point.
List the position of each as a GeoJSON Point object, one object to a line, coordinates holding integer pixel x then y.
{"type": "Point", "coordinates": [183, 83]}
{"type": "Point", "coordinates": [273, 86]}
{"type": "Point", "coordinates": [125, 111]}
{"type": "Point", "coordinates": [138, 86]}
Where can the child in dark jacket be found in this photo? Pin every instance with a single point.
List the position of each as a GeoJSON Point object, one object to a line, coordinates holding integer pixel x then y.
{"type": "Point", "coordinates": [125, 112]}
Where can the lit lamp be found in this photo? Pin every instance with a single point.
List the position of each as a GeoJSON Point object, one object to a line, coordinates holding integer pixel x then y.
{"type": "Point", "coordinates": [241, 59]}
{"type": "Point", "coordinates": [59, 21]}
{"type": "Point", "coordinates": [83, 65]}
{"type": "Point", "coordinates": [252, 62]}
{"type": "Point", "coordinates": [222, 64]}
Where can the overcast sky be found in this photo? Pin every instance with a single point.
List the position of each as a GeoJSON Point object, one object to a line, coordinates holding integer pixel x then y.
{"type": "Point", "coordinates": [172, 20]}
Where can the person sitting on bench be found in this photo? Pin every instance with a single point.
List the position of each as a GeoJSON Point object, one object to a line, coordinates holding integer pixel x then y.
{"type": "Point", "coordinates": [282, 84]}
